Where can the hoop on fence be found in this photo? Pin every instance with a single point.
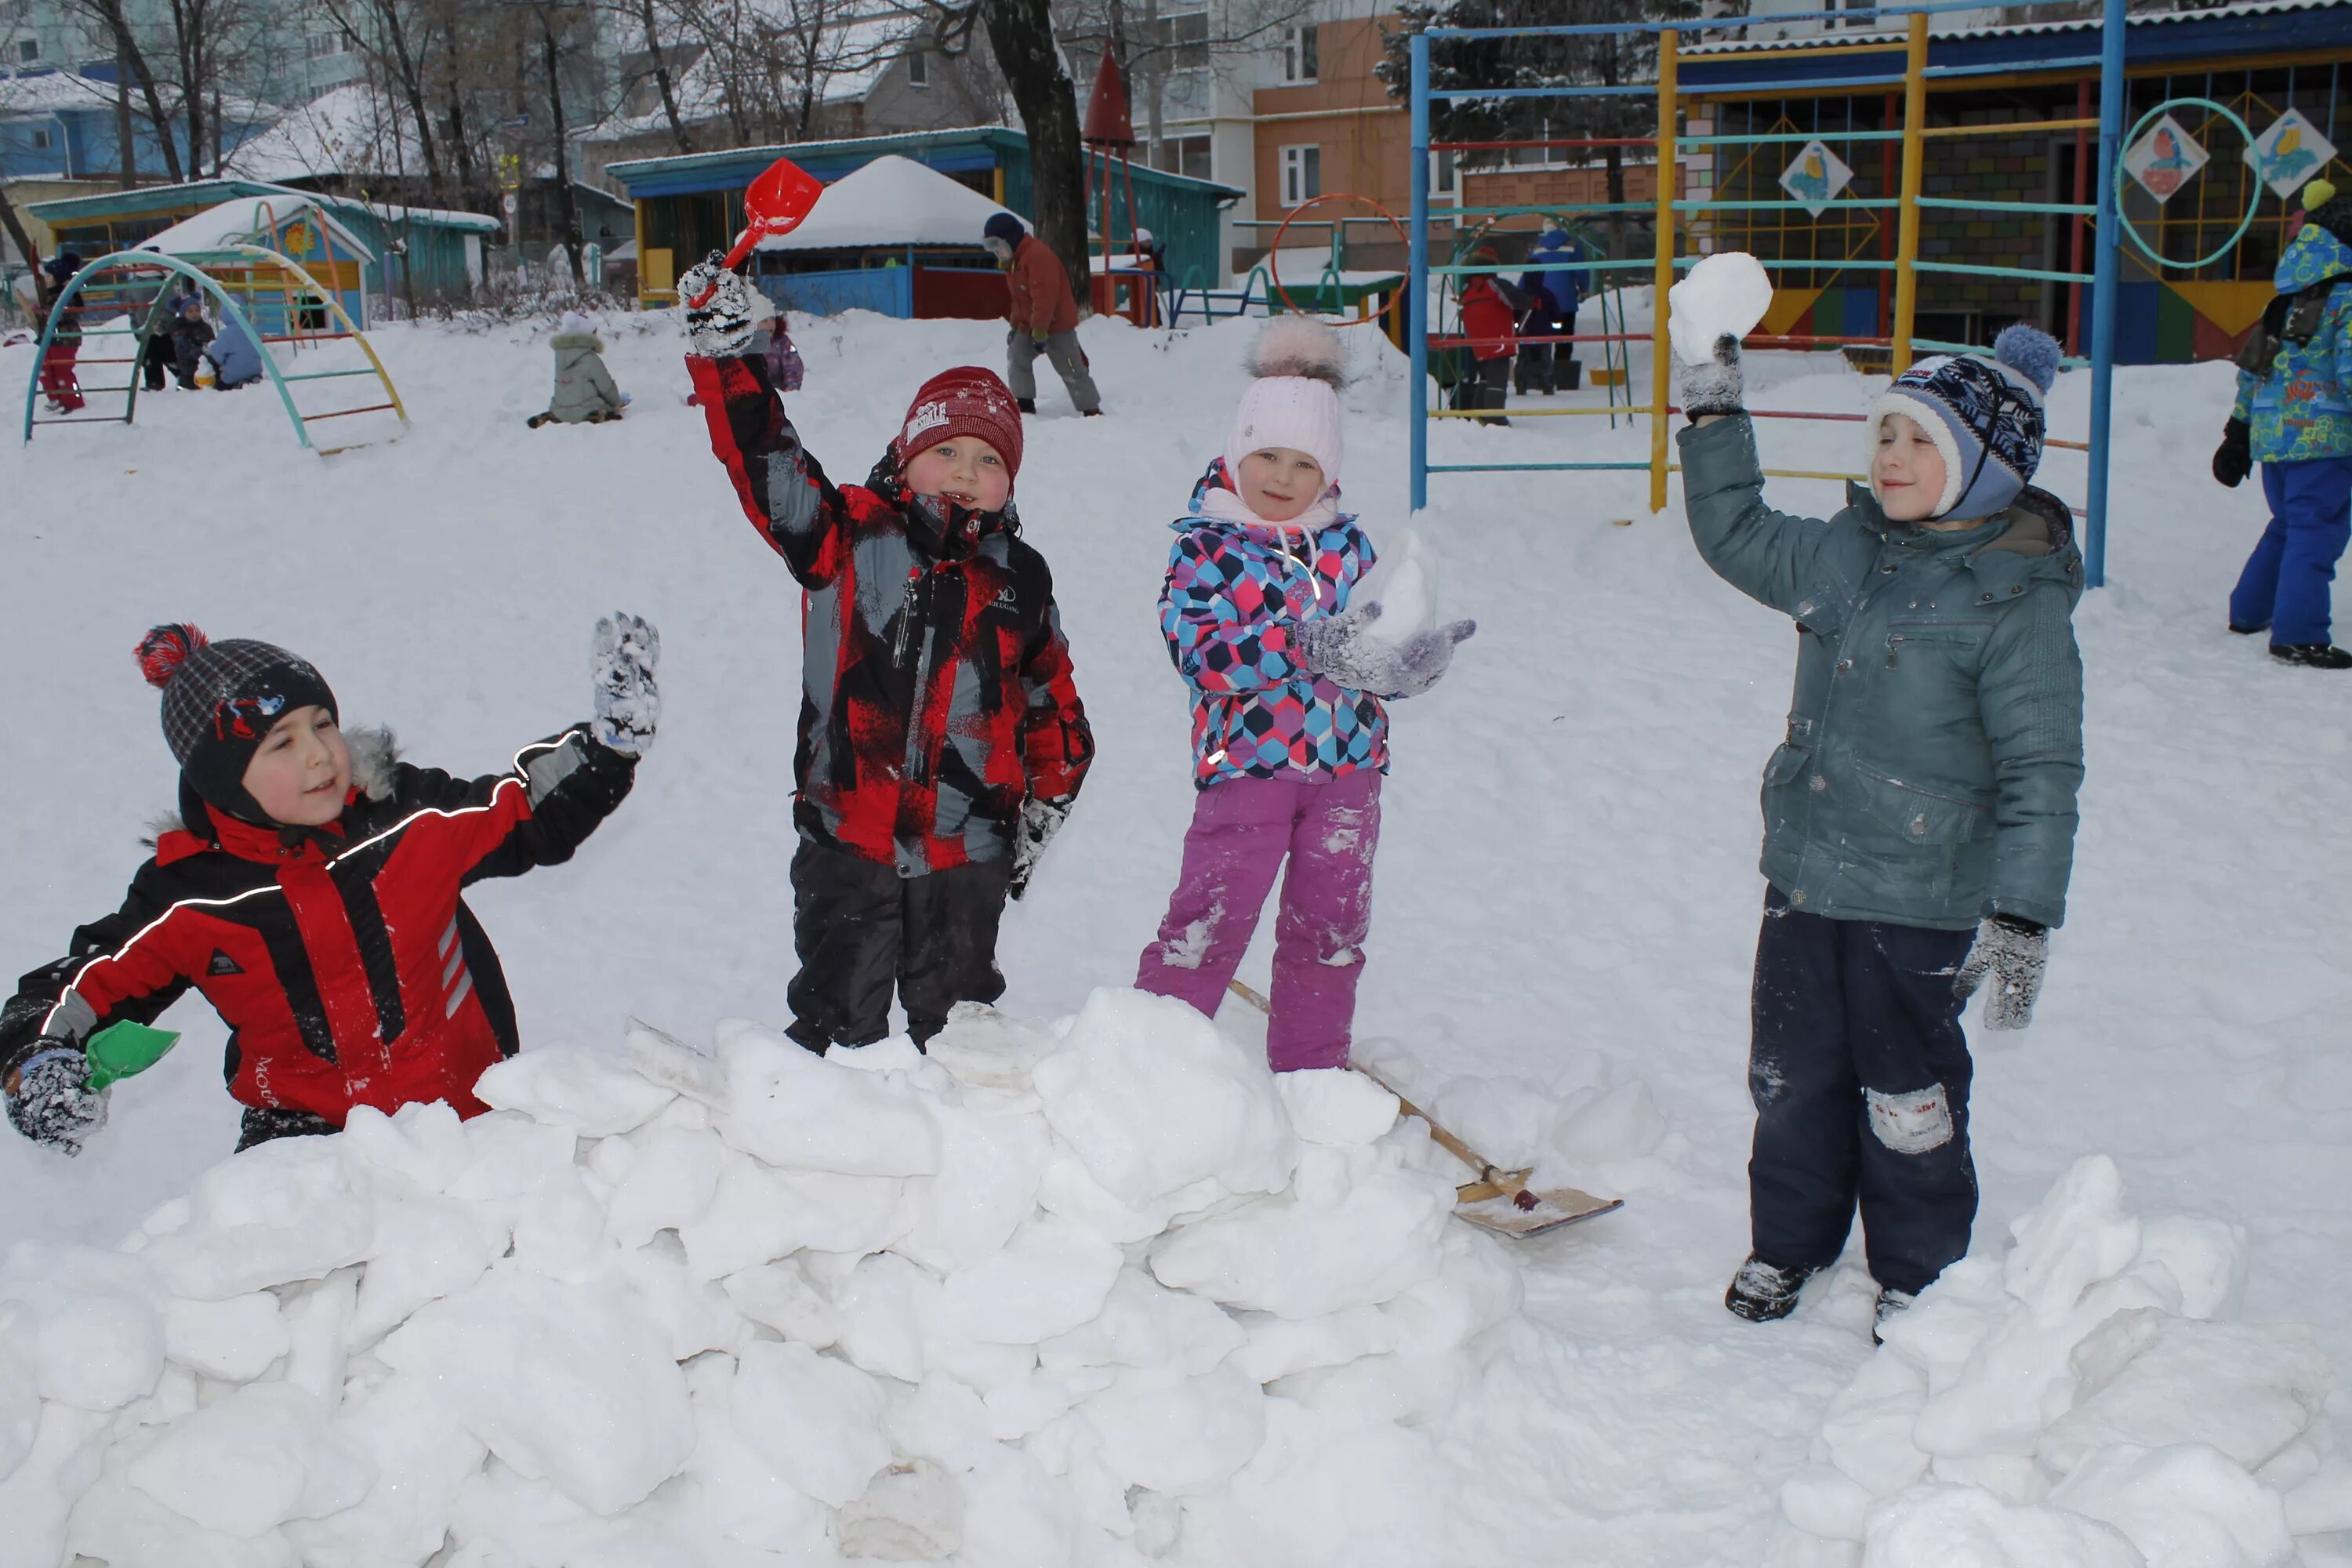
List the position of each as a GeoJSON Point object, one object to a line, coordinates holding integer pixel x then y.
{"type": "Point", "coordinates": [2123, 151]}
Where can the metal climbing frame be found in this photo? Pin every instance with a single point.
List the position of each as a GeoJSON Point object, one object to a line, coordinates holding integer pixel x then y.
{"type": "Point", "coordinates": [129, 282]}
{"type": "Point", "coordinates": [1905, 264]}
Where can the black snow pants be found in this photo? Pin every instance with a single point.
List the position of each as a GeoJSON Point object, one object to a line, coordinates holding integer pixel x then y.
{"type": "Point", "coordinates": [861, 929]}
{"type": "Point", "coordinates": [1860, 1075]}
{"type": "Point", "coordinates": [1486, 387]}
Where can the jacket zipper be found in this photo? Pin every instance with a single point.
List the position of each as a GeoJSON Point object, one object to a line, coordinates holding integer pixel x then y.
{"type": "Point", "coordinates": [914, 634]}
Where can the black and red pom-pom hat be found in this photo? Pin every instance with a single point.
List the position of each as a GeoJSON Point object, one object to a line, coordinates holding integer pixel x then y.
{"type": "Point", "coordinates": [219, 700]}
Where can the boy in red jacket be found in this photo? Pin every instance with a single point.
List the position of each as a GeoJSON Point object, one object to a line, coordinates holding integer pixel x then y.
{"type": "Point", "coordinates": [309, 889]}
{"type": "Point", "coordinates": [941, 737]}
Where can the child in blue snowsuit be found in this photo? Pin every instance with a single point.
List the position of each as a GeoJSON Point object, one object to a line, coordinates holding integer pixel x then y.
{"type": "Point", "coordinates": [2293, 415]}
{"type": "Point", "coordinates": [1551, 311]}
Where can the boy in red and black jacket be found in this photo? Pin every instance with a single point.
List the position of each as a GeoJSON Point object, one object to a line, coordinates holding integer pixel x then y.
{"type": "Point", "coordinates": [941, 739]}
{"type": "Point", "coordinates": [310, 890]}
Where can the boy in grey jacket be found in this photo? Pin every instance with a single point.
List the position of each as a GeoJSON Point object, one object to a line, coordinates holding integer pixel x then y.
{"type": "Point", "coordinates": [1919, 819]}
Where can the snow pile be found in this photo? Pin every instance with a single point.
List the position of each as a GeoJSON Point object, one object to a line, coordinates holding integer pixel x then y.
{"type": "Point", "coordinates": [2079, 1402]}
{"type": "Point", "coordinates": [1100, 1292]}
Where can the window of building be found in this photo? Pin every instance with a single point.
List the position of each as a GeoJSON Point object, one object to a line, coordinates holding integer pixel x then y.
{"type": "Point", "coordinates": [1185, 38]}
{"type": "Point", "coordinates": [1298, 53]}
{"type": "Point", "coordinates": [29, 50]}
{"type": "Point", "coordinates": [1185, 155]}
{"type": "Point", "coordinates": [1443, 178]}
{"type": "Point", "coordinates": [1858, 13]}
{"type": "Point", "coordinates": [331, 42]}
{"type": "Point", "coordinates": [918, 68]}
{"type": "Point", "coordinates": [1302, 175]}
{"type": "Point", "coordinates": [41, 142]}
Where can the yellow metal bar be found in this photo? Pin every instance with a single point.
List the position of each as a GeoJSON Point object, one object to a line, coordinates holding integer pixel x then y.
{"type": "Point", "coordinates": [1914, 159]}
{"type": "Point", "coordinates": [640, 221]}
{"type": "Point", "coordinates": [1661, 350]}
{"type": "Point", "coordinates": [2013, 128]}
{"type": "Point", "coordinates": [335, 309]}
{"type": "Point", "coordinates": [1886, 47]}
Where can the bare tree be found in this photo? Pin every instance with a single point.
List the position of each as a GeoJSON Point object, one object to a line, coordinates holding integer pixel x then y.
{"type": "Point", "coordinates": [109, 16]}
{"type": "Point", "coordinates": [1151, 46]}
{"type": "Point", "coordinates": [643, 17]}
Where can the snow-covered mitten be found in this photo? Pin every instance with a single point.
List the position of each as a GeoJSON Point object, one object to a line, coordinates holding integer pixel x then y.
{"type": "Point", "coordinates": [1713, 387]}
{"type": "Point", "coordinates": [1040, 820]}
{"type": "Point", "coordinates": [2233, 459]}
{"type": "Point", "coordinates": [50, 1097]}
{"type": "Point", "coordinates": [2013, 951]}
{"type": "Point", "coordinates": [1425, 656]}
{"type": "Point", "coordinates": [628, 703]}
{"type": "Point", "coordinates": [1337, 649]}
{"type": "Point", "coordinates": [721, 325]}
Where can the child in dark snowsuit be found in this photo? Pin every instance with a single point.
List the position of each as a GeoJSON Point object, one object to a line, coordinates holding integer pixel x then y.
{"type": "Point", "coordinates": [310, 888]}
{"type": "Point", "coordinates": [1289, 733]}
{"type": "Point", "coordinates": [2293, 415]}
{"type": "Point", "coordinates": [1920, 820]}
{"type": "Point", "coordinates": [190, 334]}
{"type": "Point", "coordinates": [941, 739]}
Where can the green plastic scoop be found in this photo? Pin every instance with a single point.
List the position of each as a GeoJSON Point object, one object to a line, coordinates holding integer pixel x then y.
{"type": "Point", "coordinates": [123, 1049]}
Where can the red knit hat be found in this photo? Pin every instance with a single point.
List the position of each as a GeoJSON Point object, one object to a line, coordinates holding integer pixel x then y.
{"type": "Point", "coordinates": [966, 401]}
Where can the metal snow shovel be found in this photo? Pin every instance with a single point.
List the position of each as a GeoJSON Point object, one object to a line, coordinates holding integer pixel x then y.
{"type": "Point", "coordinates": [1499, 1201]}
{"type": "Point", "coordinates": [774, 203]}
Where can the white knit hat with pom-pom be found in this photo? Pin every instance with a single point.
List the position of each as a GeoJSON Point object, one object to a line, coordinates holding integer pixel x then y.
{"type": "Point", "coordinates": [1301, 364]}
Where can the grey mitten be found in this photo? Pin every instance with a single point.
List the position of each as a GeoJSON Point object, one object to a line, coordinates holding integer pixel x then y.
{"type": "Point", "coordinates": [1713, 387]}
{"type": "Point", "coordinates": [1040, 820]}
{"type": "Point", "coordinates": [2014, 952]}
{"type": "Point", "coordinates": [50, 1097]}
{"type": "Point", "coordinates": [1425, 656]}
{"type": "Point", "coordinates": [628, 703]}
{"type": "Point", "coordinates": [720, 324]}
{"type": "Point", "coordinates": [1338, 648]}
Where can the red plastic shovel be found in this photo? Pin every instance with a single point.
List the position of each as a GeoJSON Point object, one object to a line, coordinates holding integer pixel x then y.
{"type": "Point", "coordinates": [775, 204]}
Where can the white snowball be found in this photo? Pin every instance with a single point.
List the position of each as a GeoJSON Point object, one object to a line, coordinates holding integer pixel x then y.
{"type": "Point", "coordinates": [1404, 583]}
{"type": "Point", "coordinates": [1049, 1278]}
{"type": "Point", "coordinates": [817, 1420]}
{"type": "Point", "coordinates": [1333, 1105]}
{"type": "Point", "coordinates": [2184, 1507]}
{"type": "Point", "coordinates": [802, 1112]}
{"type": "Point", "coordinates": [593, 1094]}
{"type": "Point", "coordinates": [1725, 292]}
{"type": "Point", "coordinates": [248, 1462]}
{"type": "Point", "coordinates": [1153, 1097]}
{"type": "Point", "coordinates": [1963, 1527]}
{"type": "Point", "coordinates": [574, 1385]}
{"type": "Point", "coordinates": [288, 1210]}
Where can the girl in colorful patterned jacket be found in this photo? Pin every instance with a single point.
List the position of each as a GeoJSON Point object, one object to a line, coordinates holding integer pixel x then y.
{"type": "Point", "coordinates": [1289, 733]}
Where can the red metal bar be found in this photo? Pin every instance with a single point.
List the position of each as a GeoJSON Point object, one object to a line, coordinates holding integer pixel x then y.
{"type": "Point", "coordinates": [1553, 141]}
{"type": "Point", "coordinates": [339, 412]}
{"type": "Point", "coordinates": [1459, 342]}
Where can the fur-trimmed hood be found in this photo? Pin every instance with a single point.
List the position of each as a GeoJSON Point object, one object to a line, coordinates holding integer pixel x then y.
{"type": "Point", "coordinates": [374, 749]}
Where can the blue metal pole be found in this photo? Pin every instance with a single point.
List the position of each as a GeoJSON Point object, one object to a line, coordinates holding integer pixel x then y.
{"type": "Point", "coordinates": [2106, 276]}
{"type": "Point", "coordinates": [1416, 304]}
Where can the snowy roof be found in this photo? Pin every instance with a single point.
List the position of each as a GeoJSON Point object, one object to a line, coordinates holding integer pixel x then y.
{"type": "Point", "coordinates": [353, 130]}
{"type": "Point", "coordinates": [890, 201]}
{"type": "Point", "coordinates": [56, 92]}
{"type": "Point", "coordinates": [163, 198]}
{"type": "Point", "coordinates": [248, 220]}
{"type": "Point", "coordinates": [2087, 24]}
{"type": "Point", "coordinates": [851, 58]}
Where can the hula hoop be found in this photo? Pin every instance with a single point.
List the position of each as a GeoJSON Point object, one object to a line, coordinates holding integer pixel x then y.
{"type": "Point", "coordinates": [2253, 201]}
{"type": "Point", "coordinates": [1274, 256]}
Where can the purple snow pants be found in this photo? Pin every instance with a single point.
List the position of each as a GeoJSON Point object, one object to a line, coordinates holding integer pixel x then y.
{"type": "Point", "coordinates": [1241, 831]}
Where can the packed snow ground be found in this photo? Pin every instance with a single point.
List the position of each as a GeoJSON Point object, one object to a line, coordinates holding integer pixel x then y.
{"type": "Point", "coordinates": [1567, 899]}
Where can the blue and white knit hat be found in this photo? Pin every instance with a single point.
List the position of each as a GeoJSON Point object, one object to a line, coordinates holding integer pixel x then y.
{"type": "Point", "coordinates": [1984, 415]}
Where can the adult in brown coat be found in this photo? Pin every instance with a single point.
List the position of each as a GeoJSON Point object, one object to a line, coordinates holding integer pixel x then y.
{"type": "Point", "coordinates": [1044, 314]}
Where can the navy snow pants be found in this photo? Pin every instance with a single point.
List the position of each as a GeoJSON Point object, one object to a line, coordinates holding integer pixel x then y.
{"type": "Point", "coordinates": [2287, 580]}
{"type": "Point", "coordinates": [1860, 1075]}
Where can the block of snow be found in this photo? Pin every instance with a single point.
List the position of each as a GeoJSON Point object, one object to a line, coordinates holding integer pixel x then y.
{"type": "Point", "coordinates": [738, 1493]}
{"type": "Point", "coordinates": [2246, 1390]}
{"type": "Point", "coordinates": [572, 1385]}
{"type": "Point", "coordinates": [1144, 1323]}
{"type": "Point", "coordinates": [816, 1419]}
{"type": "Point", "coordinates": [20, 1401]}
{"type": "Point", "coordinates": [1278, 1347]}
{"type": "Point", "coordinates": [421, 1458]}
{"type": "Point", "coordinates": [422, 1246]}
{"type": "Point", "coordinates": [911, 1513]}
{"type": "Point", "coordinates": [594, 1094]}
{"type": "Point", "coordinates": [37, 1495]}
{"type": "Point", "coordinates": [86, 1322]}
{"type": "Point", "coordinates": [1333, 1105]}
{"type": "Point", "coordinates": [425, 1145]}
{"type": "Point", "coordinates": [1067, 1189]}
{"type": "Point", "coordinates": [1183, 1434]}
{"type": "Point", "coordinates": [2206, 1258]}
{"type": "Point", "coordinates": [1966, 1527]}
{"type": "Point", "coordinates": [511, 1157]}
{"type": "Point", "coordinates": [987, 1049]}
{"type": "Point", "coordinates": [883, 1308]}
{"type": "Point", "coordinates": [1823, 1500]}
{"type": "Point", "coordinates": [1866, 1432]}
{"type": "Point", "coordinates": [2072, 1238]}
{"type": "Point", "coordinates": [802, 1112]}
{"type": "Point", "coordinates": [233, 1341]}
{"type": "Point", "coordinates": [1367, 1241]}
{"type": "Point", "coordinates": [1048, 1279]}
{"type": "Point", "coordinates": [749, 1220]}
{"type": "Point", "coordinates": [1725, 292]}
{"type": "Point", "coordinates": [2189, 1506]}
{"type": "Point", "coordinates": [658, 1179]}
{"type": "Point", "coordinates": [248, 1462]}
{"type": "Point", "coordinates": [781, 1296]}
{"type": "Point", "coordinates": [991, 1162]}
{"type": "Point", "coordinates": [116, 1523]}
{"type": "Point", "coordinates": [1153, 1097]}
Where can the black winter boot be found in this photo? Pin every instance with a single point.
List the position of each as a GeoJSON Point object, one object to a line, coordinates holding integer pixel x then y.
{"type": "Point", "coordinates": [1027, 405]}
{"type": "Point", "coordinates": [2311, 655]}
{"type": "Point", "coordinates": [1765, 1292]}
{"type": "Point", "coordinates": [1891, 1303]}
